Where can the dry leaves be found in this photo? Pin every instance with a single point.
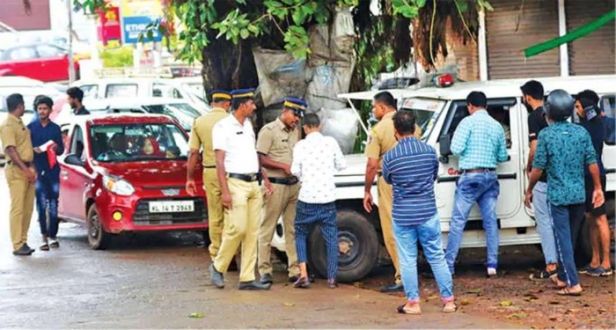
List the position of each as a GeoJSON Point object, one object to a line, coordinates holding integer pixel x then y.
{"type": "Point", "coordinates": [506, 303]}
{"type": "Point", "coordinates": [288, 304]}
{"type": "Point", "coordinates": [196, 315]}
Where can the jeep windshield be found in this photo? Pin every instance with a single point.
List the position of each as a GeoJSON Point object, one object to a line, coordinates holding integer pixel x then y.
{"type": "Point", "coordinates": [426, 112]}
{"type": "Point", "coordinates": [183, 112]}
{"type": "Point", "coordinates": [138, 142]}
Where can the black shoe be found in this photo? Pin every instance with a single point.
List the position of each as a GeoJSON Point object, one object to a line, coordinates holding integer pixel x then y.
{"type": "Point", "coordinates": [254, 285]}
{"type": "Point", "coordinates": [301, 283]}
{"type": "Point", "coordinates": [216, 277]}
{"type": "Point", "coordinates": [24, 250]}
{"type": "Point", "coordinates": [332, 284]}
{"type": "Point", "coordinates": [392, 288]}
{"type": "Point", "coordinates": [29, 248]}
{"type": "Point", "coordinates": [267, 279]}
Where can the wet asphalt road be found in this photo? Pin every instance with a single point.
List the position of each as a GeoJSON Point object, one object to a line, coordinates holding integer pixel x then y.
{"type": "Point", "coordinates": [157, 281]}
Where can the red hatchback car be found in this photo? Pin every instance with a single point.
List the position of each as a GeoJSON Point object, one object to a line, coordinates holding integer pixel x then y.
{"type": "Point", "coordinates": [126, 173]}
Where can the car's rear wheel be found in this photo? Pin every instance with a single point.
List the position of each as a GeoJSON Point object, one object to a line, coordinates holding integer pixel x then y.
{"type": "Point", "coordinates": [358, 247]}
{"type": "Point", "coordinates": [98, 238]}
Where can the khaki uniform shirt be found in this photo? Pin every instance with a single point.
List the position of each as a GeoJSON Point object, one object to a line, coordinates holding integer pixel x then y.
{"type": "Point", "coordinates": [382, 138]}
{"type": "Point", "coordinates": [14, 133]}
{"type": "Point", "coordinates": [201, 134]}
{"type": "Point", "coordinates": [276, 141]}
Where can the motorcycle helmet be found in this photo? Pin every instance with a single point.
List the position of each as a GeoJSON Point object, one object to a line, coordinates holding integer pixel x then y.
{"type": "Point", "coordinates": [559, 105]}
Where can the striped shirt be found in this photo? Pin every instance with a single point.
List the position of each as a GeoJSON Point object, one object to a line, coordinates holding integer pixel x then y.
{"type": "Point", "coordinates": [479, 140]}
{"type": "Point", "coordinates": [411, 167]}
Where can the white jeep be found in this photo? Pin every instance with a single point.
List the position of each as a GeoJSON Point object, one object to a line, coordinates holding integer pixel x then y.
{"type": "Point", "coordinates": [439, 111]}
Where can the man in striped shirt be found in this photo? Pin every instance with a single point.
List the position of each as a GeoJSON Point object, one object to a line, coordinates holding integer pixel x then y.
{"type": "Point", "coordinates": [411, 167]}
{"type": "Point", "coordinates": [479, 141]}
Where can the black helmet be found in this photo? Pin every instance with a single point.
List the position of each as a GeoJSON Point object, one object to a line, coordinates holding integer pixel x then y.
{"type": "Point", "coordinates": [559, 105]}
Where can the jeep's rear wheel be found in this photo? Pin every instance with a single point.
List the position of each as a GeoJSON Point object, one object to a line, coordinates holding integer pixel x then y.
{"type": "Point", "coordinates": [98, 238]}
{"type": "Point", "coordinates": [358, 247]}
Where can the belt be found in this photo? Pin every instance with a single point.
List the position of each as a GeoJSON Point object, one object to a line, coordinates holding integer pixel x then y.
{"type": "Point", "coordinates": [286, 181]}
{"type": "Point", "coordinates": [246, 177]}
{"type": "Point", "coordinates": [209, 166]}
{"type": "Point", "coordinates": [479, 170]}
{"type": "Point", "coordinates": [28, 164]}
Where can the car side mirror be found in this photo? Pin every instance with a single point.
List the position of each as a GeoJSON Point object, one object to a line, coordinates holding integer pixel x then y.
{"type": "Point", "coordinates": [444, 142]}
{"type": "Point", "coordinates": [73, 159]}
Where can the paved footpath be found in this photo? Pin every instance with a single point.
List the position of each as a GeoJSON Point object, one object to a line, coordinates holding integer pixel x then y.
{"type": "Point", "coordinates": [157, 281]}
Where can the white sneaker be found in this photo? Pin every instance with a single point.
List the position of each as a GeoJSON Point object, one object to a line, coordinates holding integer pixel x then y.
{"type": "Point", "coordinates": [491, 271]}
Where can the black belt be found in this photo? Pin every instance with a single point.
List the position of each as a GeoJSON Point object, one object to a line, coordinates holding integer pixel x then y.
{"type": "Point", "coordinates": [28, 164]}
{"type": "Point", "coordinates": [246, 177]}
{"type": "Point", "coordinates": [479, 170]}
{"type": "Point", "coordinates": [209, 166]}
{"type": "Point", "coordinates": [286, 181]}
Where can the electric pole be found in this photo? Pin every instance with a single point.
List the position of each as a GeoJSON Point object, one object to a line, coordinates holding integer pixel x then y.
{"type": "Point", "coordinates": [71, 59]}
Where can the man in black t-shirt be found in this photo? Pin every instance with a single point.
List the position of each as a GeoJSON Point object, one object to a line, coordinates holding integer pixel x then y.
{"type": "Point", "coordinates": [532, 96]}
{"type": "Point", "coordinates": [591, 117]}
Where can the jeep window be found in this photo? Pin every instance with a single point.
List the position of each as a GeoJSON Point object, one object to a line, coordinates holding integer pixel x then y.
{"type": "Point", "coordinates": [89, 91]}
{"type": "Point", "coordinates": [426, 112]}
{"type": "Point", "coordinates": [121, 90]}
{"type": "Point", "coordinates": [608, 104]}
{"type": "Point", "coordinates": [138, 142]}
{"type": "Point", "coordinates": [497, 108]}
{"type": "Point", "coordinates": [164, 90]}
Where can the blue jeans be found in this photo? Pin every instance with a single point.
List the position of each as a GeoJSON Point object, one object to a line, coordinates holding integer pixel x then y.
{"type": "Point", "coordinates": [325, 216]}
{"type": "Point", "coordinates": [47, 192]}
{"type": "Point", "coordinates": [482, 188]}
{"type": "Point", "coordinates": [429, 235]}
{"type": "Point", "coordinates": [564, 218]}
{"type": "Point", "coordinates": [541, 207]}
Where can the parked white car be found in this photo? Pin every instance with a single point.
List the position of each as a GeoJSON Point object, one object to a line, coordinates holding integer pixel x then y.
{"type": "Point", "coordinates": [438, 111]}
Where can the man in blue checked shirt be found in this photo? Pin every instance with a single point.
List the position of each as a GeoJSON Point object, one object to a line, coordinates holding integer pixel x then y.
{"type": "Point", "coordinates": [479, 141]}
{"type": "Point", "coordinates": [411, 167]}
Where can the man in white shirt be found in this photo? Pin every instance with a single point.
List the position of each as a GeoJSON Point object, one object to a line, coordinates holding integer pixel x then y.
{"type": "Point", "coordinates": [238, 170]}
{"type": "Point", "coordinates": [315, 161]}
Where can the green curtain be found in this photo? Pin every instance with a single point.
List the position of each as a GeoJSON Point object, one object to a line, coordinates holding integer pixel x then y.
{"type": "Point", "coordinates": [569, 37]}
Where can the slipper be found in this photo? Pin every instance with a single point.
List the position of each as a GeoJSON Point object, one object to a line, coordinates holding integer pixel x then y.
{"type": "Point", "coordinates": [54, 244]}
{"type": "Point", "coordinates": [44, 247]}
{"type": "Point", "coordinates": [566, 292]}
{"type": "Point", "coordinates": [402, 310]}
{"type": "Point", "coordinates": [554, 279]}
{"type": "Point", "coordinates": [450, 309]}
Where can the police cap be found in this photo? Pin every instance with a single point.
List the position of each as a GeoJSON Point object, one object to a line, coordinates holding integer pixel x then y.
{"type": "Point", "coordinates": [220, 95]}
{"type": "Point", "coordinates": [298, 106]}
{"type": "Point", "coordinates": [243, 94]}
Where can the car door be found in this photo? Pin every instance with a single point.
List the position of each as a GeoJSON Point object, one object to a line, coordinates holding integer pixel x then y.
{"type": "Point", "coordinates": [74, 179]}
{"type": "Point", "coordinates": [608, 104]}
{"type": "Point", "coordinates": [509, 172]}
{"type": "Point", "coordinates": [54, 62]}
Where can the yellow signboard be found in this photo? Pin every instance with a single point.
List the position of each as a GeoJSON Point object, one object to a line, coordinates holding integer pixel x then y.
{"type": "Point", "coordinates": [131, 8]}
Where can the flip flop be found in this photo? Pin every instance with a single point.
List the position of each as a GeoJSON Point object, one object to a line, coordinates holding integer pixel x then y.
{"type": "Point", "coordinates": [44, 247]}
{"type": "Point", "coordinates": [54, 244]}
{"type": "Point", "coordinates": [566, 292]}
{"type": "Point", "coordinates": [402, 310]}
{"type": "Point", "coordinates": [450, 309]}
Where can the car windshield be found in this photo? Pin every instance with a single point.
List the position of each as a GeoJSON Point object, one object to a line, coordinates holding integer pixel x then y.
{"type": "Point", "coordinates": [426, 112]}
{"type": "Point", "coordinates": [138, 142]}
{"type": "Point", "coordinates": [183, 112]}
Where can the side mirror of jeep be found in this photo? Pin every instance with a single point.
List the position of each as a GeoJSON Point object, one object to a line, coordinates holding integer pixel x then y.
{"type": "Point", "coordinates": [444, 142]}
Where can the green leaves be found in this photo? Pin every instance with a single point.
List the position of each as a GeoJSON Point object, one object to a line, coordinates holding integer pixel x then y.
{"type": "Point", "coordinates": [407, 8]}
{"type": "Point", "coordinates": [296, 42]}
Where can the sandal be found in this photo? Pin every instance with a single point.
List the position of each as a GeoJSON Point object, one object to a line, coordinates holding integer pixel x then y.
{"type": "Point", "coordinates": [555, 280]}
{"type": "Point", "coordinates": [566, 292]}
{"type": "Point", "coordinates": [450, 309]}
{"type": "Point", "coordinates": [543, 275]}
{"type": "Point", "coordinates": [44, 247]}
{"type": "Point", "coordinates": [403, 310]}
{"type": "Point", "coordinates": [54, 244]}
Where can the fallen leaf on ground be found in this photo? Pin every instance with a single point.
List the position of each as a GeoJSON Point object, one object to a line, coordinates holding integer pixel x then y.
{"type": "Point", "coordinates": [432, 297]}
{"type": "Point", "coordinates": [506, 303]}
{"type": "Point", "coordinates": [197, 315]}
{"type": "Point", "coordinates": [288, 304]}
{"type": "Point", "coordinates": [572, 311]}
{"type": "Point", "coordinates": [475, 291]}
{"type": "Point", "coordinates": [554, 302]}
{"type": "Point", "coordinates": [465, 302]}
{"type": "Point", "coordinates": [358, 284]}
{"type": "Point", "coordinates": [531, 298]}
{"type": "Point", "coordinates": [602, 310]}
{"type": "Point", "coordinates": [516, 316]}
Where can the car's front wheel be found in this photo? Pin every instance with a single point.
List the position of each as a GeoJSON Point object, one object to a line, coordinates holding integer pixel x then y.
{"type": "Point", "coordinates": [98, 238]}
{"type": "Point", "coordinates": [358, 247]}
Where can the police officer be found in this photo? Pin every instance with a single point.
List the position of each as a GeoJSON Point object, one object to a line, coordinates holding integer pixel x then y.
{"type": "Point", "coordinates": [20, 175]}
{"type": "Point", "coordinates": [381, 140]}
{"type": "Point", "coordinates": [238, 169]}
{"type": "Point", "coordinates": [42, 131]}
{"type": "Point", "coordinates": [275, 147]}
{"type": "Point", "coordinates": [201, 137]}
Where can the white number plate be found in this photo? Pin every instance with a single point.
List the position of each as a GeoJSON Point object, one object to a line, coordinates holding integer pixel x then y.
{"type": "Point", "coordinates": [172, 206]}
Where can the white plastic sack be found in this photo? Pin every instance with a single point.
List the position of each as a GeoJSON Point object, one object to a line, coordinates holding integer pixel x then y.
{"type": "Point", "coordinates": [342, 125]}
{"type": "Point", "coordinates": [327, 82]}
{"type": "Point", "coordinates": [280, 75]}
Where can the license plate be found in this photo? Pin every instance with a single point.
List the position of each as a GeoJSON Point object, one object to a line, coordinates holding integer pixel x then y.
{"type": "Point", "coordinates": [172, 206]}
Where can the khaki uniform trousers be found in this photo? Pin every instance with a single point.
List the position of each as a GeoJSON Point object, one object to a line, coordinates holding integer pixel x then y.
{"type": "Point", "coordinates": [22, 204]}
{"type": "Point", "coordinates": [215, 210]}
{"type": "Point", "coordinates": [283, 201]}
{"type": "Point", "coordinates": [241, 225]}
{"type": "Point", "coordinates": [385, 208]}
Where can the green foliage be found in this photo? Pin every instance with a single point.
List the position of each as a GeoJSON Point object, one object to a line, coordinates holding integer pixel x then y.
{"type": "Point", "coordinates": [117, 57]}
